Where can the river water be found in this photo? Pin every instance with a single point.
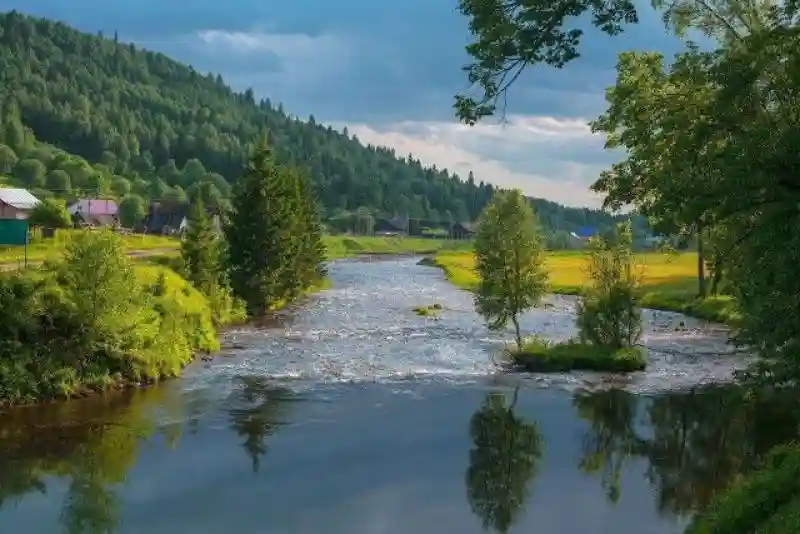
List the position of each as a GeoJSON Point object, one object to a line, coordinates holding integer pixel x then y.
{"type": "Point", "coordinates": [351, 414]}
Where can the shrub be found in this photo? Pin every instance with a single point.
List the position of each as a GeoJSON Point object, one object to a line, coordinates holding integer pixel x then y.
{"type": "Point", "coordinates": [607, 315]}
{"type": "Point", "coordinates": [91, 320]}
{"type": "Point", "coordinates": [539, 356]}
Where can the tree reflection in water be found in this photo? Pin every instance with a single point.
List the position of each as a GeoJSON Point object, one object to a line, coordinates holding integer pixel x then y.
{"type": "Point", "coordinates": [503, 460]}
{"type": "Point", "coordinates": [92, 443]}
{"type": "Point", "coordinates": [262, 409]}
{"type": "Point", "coordinates": [695, 442]}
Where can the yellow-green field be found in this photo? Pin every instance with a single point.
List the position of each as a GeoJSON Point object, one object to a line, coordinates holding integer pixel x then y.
{"type": "Point", "coordinates": [149, 245]}
{"type": "Point", "coordinates": [344, 246]}
{"type": "Point", "coordinates": [42, 249]}
{"type": "Point", "coordinates": [668, 281]}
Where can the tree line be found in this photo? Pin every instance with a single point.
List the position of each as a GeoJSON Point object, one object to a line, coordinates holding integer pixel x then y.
{"type": "Point", "coordinates": [110, 118]}
{"type": "Point", "coordinates": [710, 140]}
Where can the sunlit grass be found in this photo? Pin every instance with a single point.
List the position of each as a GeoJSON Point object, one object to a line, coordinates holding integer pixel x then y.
{"type": "Point", "coordinates": [343, 246]}
{"type": "Point", "coordinates": [40, 249]}
{"type": "Point", "coordinates": [539, 356]}
{"type": "Point", "coordinates": [336, 246]}
{"type": "Point", "coordinates": [668, 281]}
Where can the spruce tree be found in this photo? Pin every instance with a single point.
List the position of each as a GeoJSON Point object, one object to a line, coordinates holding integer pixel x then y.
{"type": "Point", "coordinates": [313, 251]}
{"type": "Point", "coordinates": [201, 251]}
{"type": "Point", "coordinates": [259, 233]}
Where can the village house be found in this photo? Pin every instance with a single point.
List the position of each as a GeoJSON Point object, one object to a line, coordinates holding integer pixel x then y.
{"type": "Point", "coordinates": [396, 226]}
{"type": "Point", "coordinates": [579, 238]}
{"type": "Point", "coordinates": [94, 212]}
{"type": "Point", "coordinates": [463, 230]}
{"type": "Point", "coordinates": [170, 218]}
{"type": "Point", "coordinates": [16, 203]}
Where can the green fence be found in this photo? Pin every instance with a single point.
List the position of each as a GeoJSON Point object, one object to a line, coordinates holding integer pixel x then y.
{"type": "Point", "coordinates": [13, 232]}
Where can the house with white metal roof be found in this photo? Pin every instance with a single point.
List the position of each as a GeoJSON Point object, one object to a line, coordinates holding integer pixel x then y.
{"type": "Point", "coordinates": [16, 203]}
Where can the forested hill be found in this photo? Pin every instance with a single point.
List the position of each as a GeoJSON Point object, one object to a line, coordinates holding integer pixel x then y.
{"type": "Point", "coordinates": [142, 119]}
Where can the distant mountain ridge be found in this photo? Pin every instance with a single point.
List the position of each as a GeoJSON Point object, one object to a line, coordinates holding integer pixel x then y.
{"type": "Point", "coordinates": [167, 130]}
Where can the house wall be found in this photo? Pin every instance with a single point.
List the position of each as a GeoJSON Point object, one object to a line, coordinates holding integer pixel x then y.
{"type": "Point", "coordinates": [10, 212]}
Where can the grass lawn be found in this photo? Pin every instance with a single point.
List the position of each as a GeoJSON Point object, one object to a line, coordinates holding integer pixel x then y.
{"type": "Point", "coordinates": [41, 249]}
{"type": "Point", "coordinates": [669, 281]}
{"type": "Point", "coordinates": [344, 246]}
{"type": "Point", "coordinates": [165, 247]}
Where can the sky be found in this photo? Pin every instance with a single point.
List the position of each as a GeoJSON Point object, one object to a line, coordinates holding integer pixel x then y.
{"type": "Point", "coordinates": [388, 71]}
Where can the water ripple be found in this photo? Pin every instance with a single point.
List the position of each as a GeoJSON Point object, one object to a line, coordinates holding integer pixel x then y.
{"type": "Point", "coordinates": [363, 330]}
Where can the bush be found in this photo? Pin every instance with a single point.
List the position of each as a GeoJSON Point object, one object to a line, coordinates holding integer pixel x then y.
{"type": "Point", "coordinates": [607, 315]}
{"type": "Point", "coordinates": [539, 356]}
{"type": "Point", "coordinates": [50, 213]}
{"type": "Point", "coordinates": [91, 320]}
{"type": "Point", "coordinates": [765, 502]}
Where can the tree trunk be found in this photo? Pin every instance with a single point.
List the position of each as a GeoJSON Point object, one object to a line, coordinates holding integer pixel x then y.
{"type": "Point", "coordinates": [517, 333]}
{"type": "Point", "coordinates": [701, 265]}
{"type": "Point", "coordinates": [716, 278]}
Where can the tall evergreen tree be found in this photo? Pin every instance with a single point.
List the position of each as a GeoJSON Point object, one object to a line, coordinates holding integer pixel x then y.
{"type": "Point", "coordinates": [271, 254]}
{"type": "Point", "coordinates": [311, 257]}
{"type": "Point", "coordinates": [201, 250]}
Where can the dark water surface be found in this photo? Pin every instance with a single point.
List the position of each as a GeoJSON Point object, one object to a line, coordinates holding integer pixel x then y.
{"type": "Point", "coordinates": [351, 414]}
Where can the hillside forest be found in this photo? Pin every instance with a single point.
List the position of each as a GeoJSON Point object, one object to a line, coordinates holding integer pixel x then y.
{"type": "Point", "coordinates": [86, 115]}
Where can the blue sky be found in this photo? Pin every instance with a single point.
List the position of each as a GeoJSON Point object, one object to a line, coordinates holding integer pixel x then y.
{"type": "Point", "coordinates": [388, 70]}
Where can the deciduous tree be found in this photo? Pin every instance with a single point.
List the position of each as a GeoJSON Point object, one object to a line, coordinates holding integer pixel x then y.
{"type": "Point", "coordinates": [509, 256]}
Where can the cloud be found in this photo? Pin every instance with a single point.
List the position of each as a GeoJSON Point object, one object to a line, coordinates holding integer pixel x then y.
{"type": "Point", "coordinates": [294, 59]}
{"type": "Point", "coordinates": [546, 157]}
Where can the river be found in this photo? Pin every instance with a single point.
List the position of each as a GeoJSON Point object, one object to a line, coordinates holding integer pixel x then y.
{"type": "Point", "coordinates": [351, 414]}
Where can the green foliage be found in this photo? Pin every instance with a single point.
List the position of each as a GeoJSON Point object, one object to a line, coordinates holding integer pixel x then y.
{"type": "Point", "coordinates": [202, 251]}
{"type": "Point", "coordinates": [689, 131]}
{"type": "Point", "coordinates": [8, 159]}
{"type": "Point", "coordinates": [275, 248]}
{"type": "Point", "coordinates": [607, 316]}
{"type": "Point", "coordinates": [50, 213]}
{"type": "Point", "coordinates": [132, 210]}
{"type": "Point", "coordinates": [90, 320]}
{"type": "Point", "coordinates": [30, 172]}
{"type": "Point", "coordinates": [509, 260]}
{"type": "Point", "coordinates": [513, 35]}
{"type": "Point", "coordinates": [150, 120]}
{"type": "Point", "coordinates": [504, 458]}
{"type": "Point", "coordinates": [766, 502]}
{"type": "Point", "coordinates": [539, 356]}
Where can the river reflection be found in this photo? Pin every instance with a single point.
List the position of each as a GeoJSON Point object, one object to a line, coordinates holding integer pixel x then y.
{"type": "Point", "coordinates": [694, 442]}
{"type": "Point", "coordinates": [503, 460]}
{"type": "Point", "coordinates": [259, 410]}
{"type": "Point", "coordinates": [348, 458]}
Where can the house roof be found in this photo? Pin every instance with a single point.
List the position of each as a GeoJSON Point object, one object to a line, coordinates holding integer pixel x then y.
{"type": "Point", "coordinates": [395, 223]}
{"type": "Point", "coordinates": [93, 206]}
{"type": "Point", "coordinates": [21, 199]}
{"type": "Point", "coordinates": [584, 232]}
{"type": "Point", "coordinates": [470, 227]}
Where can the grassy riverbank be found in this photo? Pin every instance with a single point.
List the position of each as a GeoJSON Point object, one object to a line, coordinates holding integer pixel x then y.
{"type": "Point", "coordinates": [669, 281]}
{"type": "Point", "coordinates": [95, 315]}
{"type": "Point", "coordinates": [46, 248]}
{"type": "Point", "coordinates": [146, 245]}
{"type": "Point", "coordinates": [93, 320]}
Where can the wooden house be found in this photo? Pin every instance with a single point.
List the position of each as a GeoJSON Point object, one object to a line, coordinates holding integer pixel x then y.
{"type": "Point", "coordinates": [462, 230]}
{"type": "Point", "coordinates": [16, 203]}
